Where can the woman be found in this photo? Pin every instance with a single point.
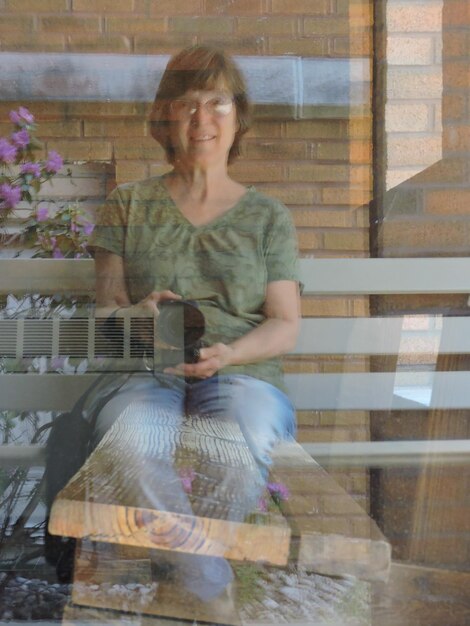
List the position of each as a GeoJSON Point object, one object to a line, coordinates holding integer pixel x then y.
{"type": "Point", "coordinates": [197, 234]}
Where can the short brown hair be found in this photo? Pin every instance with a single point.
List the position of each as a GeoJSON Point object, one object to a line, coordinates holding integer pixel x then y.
{"type": "Point", "coordinates": [198, 67]}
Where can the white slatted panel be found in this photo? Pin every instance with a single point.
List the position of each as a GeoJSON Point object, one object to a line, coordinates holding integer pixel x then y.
{"type": "Point", "coordinates": [320, 276]}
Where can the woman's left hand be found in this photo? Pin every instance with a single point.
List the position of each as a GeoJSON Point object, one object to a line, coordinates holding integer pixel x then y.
{"type": "Point", "coordinates": [211, 360]}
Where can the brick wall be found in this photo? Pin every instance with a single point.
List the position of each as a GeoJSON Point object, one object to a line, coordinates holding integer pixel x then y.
{"type": "Point", "coordinates": [421, 509]}
{"type": "Point", "coordinates": [413, 115]}
{"type": "Point", "coordinates": [321, 168]}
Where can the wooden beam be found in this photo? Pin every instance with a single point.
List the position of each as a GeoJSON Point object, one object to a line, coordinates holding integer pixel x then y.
{"type": "Point", "coordinates": [335, 535]}
{"type": "Point", "coordinates": [129, 491]}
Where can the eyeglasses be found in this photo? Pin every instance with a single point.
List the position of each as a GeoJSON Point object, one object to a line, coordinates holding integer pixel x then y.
{"type": "Point", "coordinates": [183, 108]}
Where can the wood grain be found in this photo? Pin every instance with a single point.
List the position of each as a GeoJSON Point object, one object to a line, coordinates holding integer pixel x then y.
{"type": "Point", "coordinates": [130, 492]}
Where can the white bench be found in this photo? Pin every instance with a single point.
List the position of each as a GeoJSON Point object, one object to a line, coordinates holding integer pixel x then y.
{"type": "Point", "coordinates": [407, 390]}
{"type": "Point", "coordinates": [365, 390]}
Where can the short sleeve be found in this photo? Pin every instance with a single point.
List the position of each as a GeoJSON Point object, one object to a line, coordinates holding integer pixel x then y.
{"type": "Point", "coordinates": [282, 254]}
{"type": "Point", "coordinates": [110, 226]}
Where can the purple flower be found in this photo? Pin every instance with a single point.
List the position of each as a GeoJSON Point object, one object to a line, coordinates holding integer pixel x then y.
{"type": "Point", "coordinates": [10, 195]}
{"type": "Point", "coordinates": [21, 116]}
{"type": "Point", "coordinates": [88, 228]}
{"type": "Point", "coordinates": [31, 168]}
{"type": "Point", "coordinates": [42, 214]}
{"type": "Point", "coordinates": [262, 505]}
{"type": "Point", "coordinates": [278, 491]}
{"type": "Point", "coordinates": [57, 362]}
{"type": "Point", "coordinates": [21, 138]}
{"type": "Point", "coordinates": [54, 162]}
{"type": "Point", "coordinates": [187, 475]}
{"type": "Point", "coordinates": [7, 151]}
{"type": "Point", "coordinates": [57, 253]}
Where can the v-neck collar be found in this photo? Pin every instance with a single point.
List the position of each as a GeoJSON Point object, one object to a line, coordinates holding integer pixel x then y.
{"type": "Point", "coordinates": [182, 218]}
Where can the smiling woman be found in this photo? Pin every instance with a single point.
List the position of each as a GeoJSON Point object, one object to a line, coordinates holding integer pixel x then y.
{"type": "Point", "coordinates": [197, 235]}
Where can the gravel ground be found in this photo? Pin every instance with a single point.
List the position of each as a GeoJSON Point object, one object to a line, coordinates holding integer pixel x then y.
{"type": "Point", "coordinates": [26, 599]}
{"type": "Point", "coordinates": [283, 597]}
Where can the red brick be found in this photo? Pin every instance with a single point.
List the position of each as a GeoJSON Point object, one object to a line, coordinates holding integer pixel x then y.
{"type": "Point", "coordinates": [36, 6]}
{"type": "Point", "coordinates": [305, 7]}
{"type": "Point", "coordinates": [103, 6]}
{"type": "Point", "coordinates": [166, 8]}
{"type": "Point", "coordinates": [447, 202]}
{"type": "Point", "coordinates": [267, 26]}
{"type": "Point", "coordinates": [92, 43]}
{"type": "Point", "coordinates": [32, 42]}
{"type": "Point", "coordinates": [69, 24]}
{"type": "Point", "coordinates": [313, 172]}
{"type": "Point", "coordinates": [304, 46]}
{"type": "Point", "coordinates": [414, 17]}
{"type": "Point", "coordinates": [213, 26]}
{"type": "Point", "coordinates": [234, 7]}
{"type": "Point", "coordinates": [135, 25]}
{"type": "Point", "coordinates": [339, 195]}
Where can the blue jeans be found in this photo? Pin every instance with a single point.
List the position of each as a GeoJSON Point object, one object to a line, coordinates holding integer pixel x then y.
{"type": "Point", "coordinates": [264, 415]}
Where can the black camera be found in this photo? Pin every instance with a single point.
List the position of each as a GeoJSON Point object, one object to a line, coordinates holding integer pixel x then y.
{"type": "Point", "coordinates": [178, 332]}
{"type": "Point", "coordinates": [165, 341]}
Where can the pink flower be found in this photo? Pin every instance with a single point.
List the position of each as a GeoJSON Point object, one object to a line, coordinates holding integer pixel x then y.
{"type": "Point", "coordinates": [54, 162]}
{"type": "Point", "coordinates": [10, 195]}
{"type": "Point", "coordinates": [262, 505]}
{"type": "Point", "coordinates": [21, 138]}
{"type": "Point", "coordinates": [57, 362]}
{"type": "Point", "coordinates": [31, 168]}
{"type": "Point", "coordinates": [7, 151]}
{"type": "Point", "coordinates": [21, 116]}
{"type": "Point", "coordinates": [42, 214]}
{"type": "Point", "coordinates": [187, 476]}
{"type": "Point", "coordinates": [88, 228]}
{"type": "Point", "coordinates": [57, 254]}
{"type": "Point", "coordinates": [278, 491]}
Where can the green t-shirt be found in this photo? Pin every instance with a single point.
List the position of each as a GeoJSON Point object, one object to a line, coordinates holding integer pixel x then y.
{"type": "Point", "coordinates": [224, 265]}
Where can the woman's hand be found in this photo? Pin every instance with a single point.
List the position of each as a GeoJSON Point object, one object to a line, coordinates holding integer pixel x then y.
{"type": "Point", "coordinates": [211, 360]}
{"type": "Point", "coordinates": [148, 307]}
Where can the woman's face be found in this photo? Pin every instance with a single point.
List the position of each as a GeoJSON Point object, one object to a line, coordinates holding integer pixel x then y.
{"type": "Point", "coordinates": [203, 126]}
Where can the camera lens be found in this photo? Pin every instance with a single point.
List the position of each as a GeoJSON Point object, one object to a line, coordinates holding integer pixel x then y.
{"type": "Point", "coordinates": [180, 323]}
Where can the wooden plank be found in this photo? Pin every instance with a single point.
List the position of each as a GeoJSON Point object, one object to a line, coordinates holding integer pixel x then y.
{"type": "Point", "coordinates": [336, 392]}
{"type": "Point", "coordinates": [259, 596]}
{"type": "Point", "coordinates": [335, 535]}
{"type": "Point", "coordinates": [320, 276]}
{"type": "Point", "coordinates": [129, 491]}
{"type": "Point", "coordinates": [96, 570]}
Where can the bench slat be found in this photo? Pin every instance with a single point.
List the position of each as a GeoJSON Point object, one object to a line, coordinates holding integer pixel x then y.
{"type": "Point", "coordinates": [320, 276]}
{"type": "Point", "coordinates": [361, 335]}
{"type": "Point", "coordinates": [349, 453]}
{"type": "Point", "coordinates": [341, 392]}
{"type": "Point", "coordinates": [383, 335]}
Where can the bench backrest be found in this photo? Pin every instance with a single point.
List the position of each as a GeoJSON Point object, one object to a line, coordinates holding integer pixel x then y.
{"type": "Point", "coordinates": [410, 389]}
